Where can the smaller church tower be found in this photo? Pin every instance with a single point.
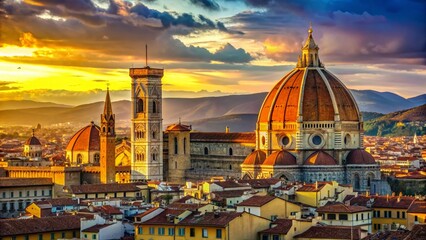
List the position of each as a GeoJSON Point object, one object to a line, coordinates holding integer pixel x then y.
{"type": "Point", "coordinates": [107, 147]}
{"type": "Point", "coordinates": [179, 157]}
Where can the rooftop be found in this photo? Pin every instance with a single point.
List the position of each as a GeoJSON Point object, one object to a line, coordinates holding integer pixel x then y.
{"type": "Point", "coordinates": [24, 182]}
{"type": "Point", "coordinates": [243, 137]}
{"type": "Point", "coordinates": [13, 227]}
{"type": "Point", "coordinates": [330, 232]}
{"type": "Point", "coordinates": [257, 201]}
{"type": "Point", "coordinates": [104, 188]}
{"type": "Point", "coordinates": [210, 219]}
{"type": "Point", "coordinates": [280, 226]}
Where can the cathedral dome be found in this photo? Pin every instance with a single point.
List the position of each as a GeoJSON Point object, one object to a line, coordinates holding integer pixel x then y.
{"type": "Point", "coordinates": [320, 158]}
{"type": "Point", "coordinates": [308, 93]}
{"type": "Point", "coordinates": [359, 156]}
{"type": "Point", "coordinates": [86, 139]}
{"type": "Point", "coordinates": [32, 141]}
{"type": "Point", "coordinates": [280, 158]}
{"type": "Point", "coordinates": [255, 158]}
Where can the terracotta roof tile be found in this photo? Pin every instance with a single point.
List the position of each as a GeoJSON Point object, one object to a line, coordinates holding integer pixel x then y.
{"type": "Point", "coordinates": [257, 201]}
{"type": "Point", "coordinates": [162, 218]}
{"type": "Point", "coordinates": [359, 156]}
{"type": "Point", "coordinates": [330, 232]}
{"type": "Point", "coordinates": [320, 158]}
{"type": "Point", "coordinates": [260, 183]}
{"type": "Point", "coordinates": [403, 202]}
{"type": "Point", "coordinates": [59, 202]}
{"type": "Point", "coordinates": [230, 184]}
{"type": "Point", "coordinates": [279, 226]}
{"type": "Point", "coordinates": [255, 158]}
{"type": "Point", "coordinates": [11, 227]}
{"type": "Point", "coordinates": [32, 141]}
{"type": "Point", "coordinates": [418, 206]}
{"type": "Point", "coordinates": [280, 158]}
{"type": "Point", "coordinates": [18, 182]}
{"type": "Point", "coordinates": [219, 219]}
{"type": "Point", "coordinates": [86, 139]}
{"type": "Point", "coordinates": [104, 188]}
{"type": "Point", "coordinates": [186, 206]}
{"type": "Point", "coordinates": [341, 208]}
{"type": "Point", "coordinates": [96, 228]}
{"type": "Point", "coordinates": [243, 137]}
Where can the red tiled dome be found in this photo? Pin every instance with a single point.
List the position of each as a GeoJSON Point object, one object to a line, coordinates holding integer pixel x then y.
{"type": "Point", "coordinates": [280, 158]}
{"type": "Point", "coordinates": [32, 141]}
{"type": "Point", "coordinates": [86, 139]}
{"type": "Point", "coordinates": [306, 90]}
{"type": "Point", "coordinates": [255, 158]}
{"type": "Point", "coordinates": [359, 156]}
{"type": "Point", "coordinates": [320, 158]}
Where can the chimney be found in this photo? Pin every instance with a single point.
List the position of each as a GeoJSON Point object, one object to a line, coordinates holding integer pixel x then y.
{"type": "Point", "coordinates": [227, 129]}
{"type": "Point", "coordinates": [316, 184]}
{"type": "Point", "coordinates": [367, 193]}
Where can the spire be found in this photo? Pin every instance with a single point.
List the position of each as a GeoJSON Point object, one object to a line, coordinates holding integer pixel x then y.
{"type": "Point", "coordinates": [33, 132]}
{"type": "Point", "coordinates": [107, 106]}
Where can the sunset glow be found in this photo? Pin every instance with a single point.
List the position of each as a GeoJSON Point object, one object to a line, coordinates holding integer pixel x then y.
{"type": "Point", "coordinates": [226, 47]}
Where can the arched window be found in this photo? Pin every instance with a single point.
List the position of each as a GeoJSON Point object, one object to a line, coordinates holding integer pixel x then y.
{"type": "Point", "coordinates": [175, 165]}
{"type": "Point", "coordinates": [140, 107]}
{"type": "Point", "coordinates": [230, 152]}
{"type": "Point", "coordinates": [176, 145]}
{"type": "Point", "coordinates": [96, 158]}
{"type": "Point", "coordinates": [230, 167]}
{"type": "Point", "coordinates": [184, 145]}
{"type": "Point", "coordinates": [154, 157]}
{"type": "Point", "coordinates": [206, 151]}
{"type": "Point", "coordinates": [357, 184]}
{"type": "Point", "coordinates": [154, 106]}
{"type": "Point", "coordinates": [154, 135]}
{"type": "Point", "coordinates": [103, 129]}
{"type": "Point", "coordinates": [79, 159]}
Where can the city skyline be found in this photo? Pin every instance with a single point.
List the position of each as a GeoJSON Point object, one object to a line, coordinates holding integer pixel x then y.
{"type": "Point", "coordinates": [69, 52]}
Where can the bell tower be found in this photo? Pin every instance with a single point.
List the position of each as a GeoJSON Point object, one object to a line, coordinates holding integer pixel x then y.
{"type": "Point", "coordinates": [107, 147]}
{"type": "Point", "coordinates": [146, 130]}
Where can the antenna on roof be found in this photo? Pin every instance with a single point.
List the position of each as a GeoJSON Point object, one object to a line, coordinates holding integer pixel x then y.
{"type": "Point", "coordinates": [146, 55]}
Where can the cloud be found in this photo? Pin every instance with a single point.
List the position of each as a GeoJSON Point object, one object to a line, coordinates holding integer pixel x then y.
{"type": "Point", "coordinates": [8, 86]}
{"type": "Point", "coordinates": [207, 4]}
{"type": "Point", "coordinates": [229, 53]}
{"type": "Point", "coordinates": [126, 29]}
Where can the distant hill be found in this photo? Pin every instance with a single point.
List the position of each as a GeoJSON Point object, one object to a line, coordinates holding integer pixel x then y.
{"type": "Point", "coordinates": [419, 100]}
{"type": "Point", "coordinates": [401, 123]}
{"type": "Point", "coordinates": [195, 110]}
{"type": "Point", "coordinates": [370, 115]}
{"type": "Point", "coordinates": [23, 104]}
{"type": "Point", "coordinates": [383, 102]}
{"type": "Point", "coordinates": [190, 109]}
{"type": "Point", "coordinates": [236, 123]}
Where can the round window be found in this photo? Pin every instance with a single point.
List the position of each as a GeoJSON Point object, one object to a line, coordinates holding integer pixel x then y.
{"type": "Point", "coordinates": [317, 140]}
{"type": "Point", "coordinates": [285, 140]}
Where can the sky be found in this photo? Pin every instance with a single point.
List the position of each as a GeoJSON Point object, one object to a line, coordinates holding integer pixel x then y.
{"type": "Point", "coordinates": [69, 51]}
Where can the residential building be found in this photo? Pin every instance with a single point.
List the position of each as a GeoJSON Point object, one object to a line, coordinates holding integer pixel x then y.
{"type": "Point", "coordinates": [17, 193]}
{"type": "Point", "coordinates": [339, 214]}
{"type": "Point", "coordinates": [180, 225]}
{"type": "Point", "coordinates": [269, 207]}
{"type": "Point", "coordinates": [389, 212]}
{"type": "Point", "coordinates": [66, 226]}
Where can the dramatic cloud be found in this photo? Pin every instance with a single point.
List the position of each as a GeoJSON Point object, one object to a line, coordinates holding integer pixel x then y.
{"type": "Point", "coordinates": [207, 4]}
